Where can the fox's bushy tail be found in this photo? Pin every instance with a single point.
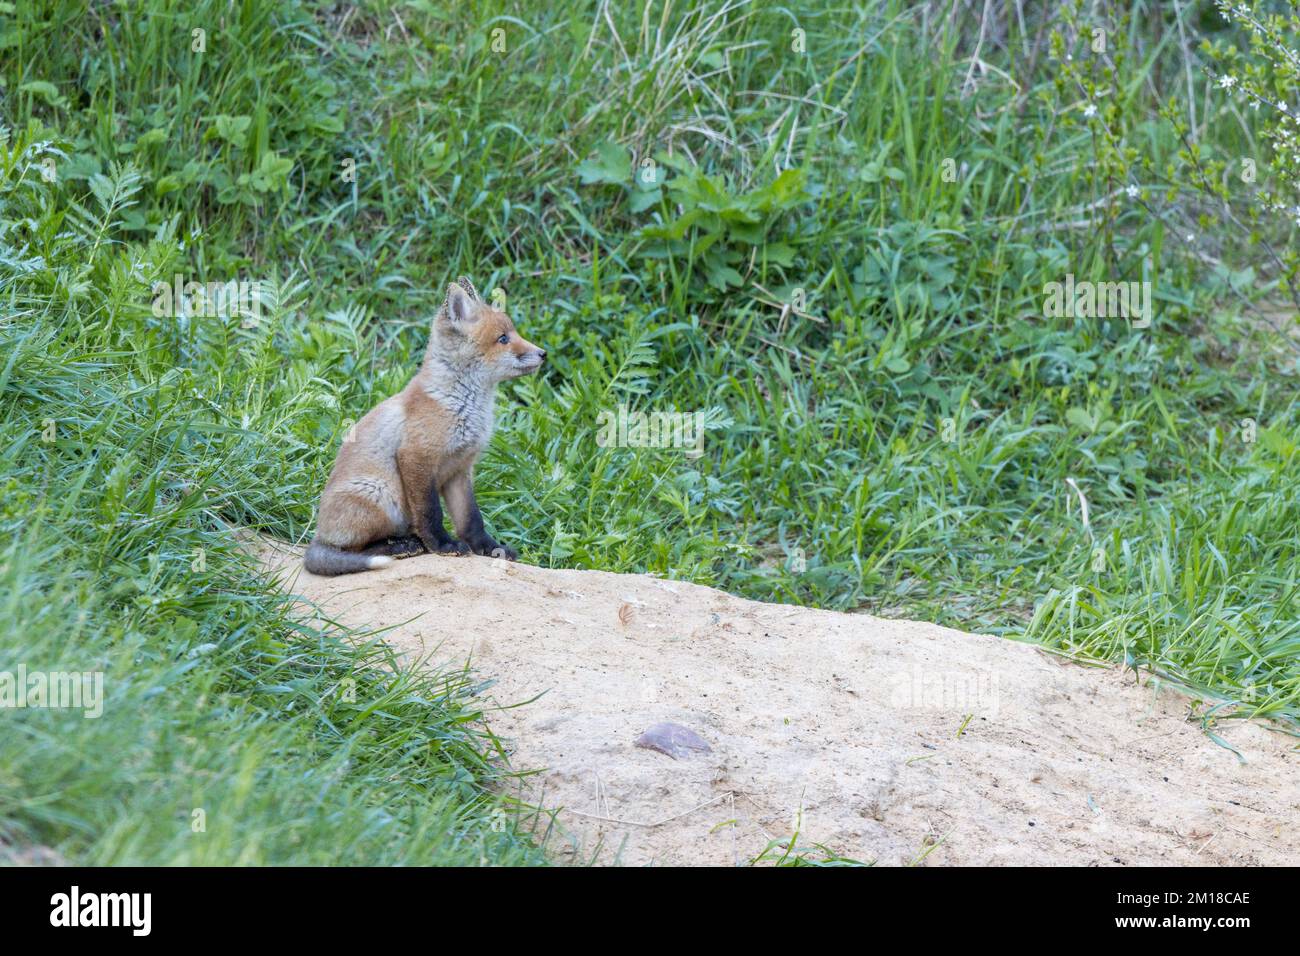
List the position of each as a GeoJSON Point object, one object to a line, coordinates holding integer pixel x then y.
{"type": "Point", "coordinates": [329, 560]}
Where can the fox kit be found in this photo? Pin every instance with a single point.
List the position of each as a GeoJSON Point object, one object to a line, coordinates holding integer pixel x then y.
{"type": "Point", "coordinates": [382, 498]}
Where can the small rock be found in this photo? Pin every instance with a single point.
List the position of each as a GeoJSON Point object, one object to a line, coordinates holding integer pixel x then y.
{"type": "Point", "coordinates": [672, 739]}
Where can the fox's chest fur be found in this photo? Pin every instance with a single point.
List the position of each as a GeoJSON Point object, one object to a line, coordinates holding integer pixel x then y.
{"type": "Point", "coordinates": [467, 412]}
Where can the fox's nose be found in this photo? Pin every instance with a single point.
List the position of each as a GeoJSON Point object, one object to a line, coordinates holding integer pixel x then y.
{"type": "Point", "coordinates": [541, 354]}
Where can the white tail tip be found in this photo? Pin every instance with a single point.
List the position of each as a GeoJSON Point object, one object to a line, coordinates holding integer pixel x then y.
{"type": "Point", "coordinates": [380, 561]}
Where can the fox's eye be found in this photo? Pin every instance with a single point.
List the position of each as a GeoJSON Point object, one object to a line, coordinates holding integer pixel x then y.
{"type": "Point", "coordinates": [503, 340]}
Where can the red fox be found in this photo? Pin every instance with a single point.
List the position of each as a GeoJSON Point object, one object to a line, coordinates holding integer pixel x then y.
{"type": "Point", "coordinates": [382, 498]}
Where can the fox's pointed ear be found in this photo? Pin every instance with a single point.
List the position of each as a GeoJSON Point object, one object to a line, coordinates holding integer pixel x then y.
{"type": "Point", "coordinates": [459, 307]}
{"type": "Point", "coordinates": [464, 283]}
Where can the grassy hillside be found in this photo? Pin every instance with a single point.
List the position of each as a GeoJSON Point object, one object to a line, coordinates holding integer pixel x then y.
{"type": "Point", "coordinates": [826, 228]}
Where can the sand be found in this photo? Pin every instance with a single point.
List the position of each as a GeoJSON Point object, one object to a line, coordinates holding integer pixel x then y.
{"type": "Point", "coordinates": [883, 741]}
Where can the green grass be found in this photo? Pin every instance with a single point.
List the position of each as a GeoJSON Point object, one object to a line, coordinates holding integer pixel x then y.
{"type": "Point", "coordinates": [911, 440]}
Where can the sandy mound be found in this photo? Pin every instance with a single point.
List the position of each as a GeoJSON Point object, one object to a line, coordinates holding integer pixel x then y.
{"type": "Point", "coordinates": [881, 740]}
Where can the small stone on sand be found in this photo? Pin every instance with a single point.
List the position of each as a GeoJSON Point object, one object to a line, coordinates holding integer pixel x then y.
{"type": "Point", "coordinates": [672, 739]}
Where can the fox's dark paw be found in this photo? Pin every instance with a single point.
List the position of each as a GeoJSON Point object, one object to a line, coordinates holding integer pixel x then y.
{"type": "Point", "coordinates": [453, 547]}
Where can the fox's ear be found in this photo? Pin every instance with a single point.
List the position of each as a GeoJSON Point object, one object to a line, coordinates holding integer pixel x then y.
{"type": "Point", "coordinates": [459, 306]}
{"type": "Point", "coordinates": [464, 283]}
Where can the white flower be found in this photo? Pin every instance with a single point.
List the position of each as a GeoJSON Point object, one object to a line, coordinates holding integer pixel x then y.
{"type": "Point", "coordinates": [1089, 111]}
{"type": "Point", "coordinates": [1190, 237]}
{"type": "Point", "coordinates": [1227, 82]}
{"type": "Point", "coordinates": [1132, 191]}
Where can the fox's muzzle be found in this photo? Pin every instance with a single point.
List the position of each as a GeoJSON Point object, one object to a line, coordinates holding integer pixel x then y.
{"type": "Point", "coordinates": [531, 360]}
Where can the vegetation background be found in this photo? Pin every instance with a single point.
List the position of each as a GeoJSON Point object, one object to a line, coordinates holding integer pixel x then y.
{"type": "Point", "coordinates": [653, 185]}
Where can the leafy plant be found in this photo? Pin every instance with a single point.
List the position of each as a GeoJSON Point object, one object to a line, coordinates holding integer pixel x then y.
{"type": "Point", "coordinates": [716, 233]}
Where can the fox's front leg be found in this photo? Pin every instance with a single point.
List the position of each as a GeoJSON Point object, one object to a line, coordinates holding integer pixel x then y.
{"type": "Point", "coordinates": [459, 492]}
{"type": "Point", "coordinates": [426, 520]}
{"type": "Point", "coordinates": [433, 532]}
